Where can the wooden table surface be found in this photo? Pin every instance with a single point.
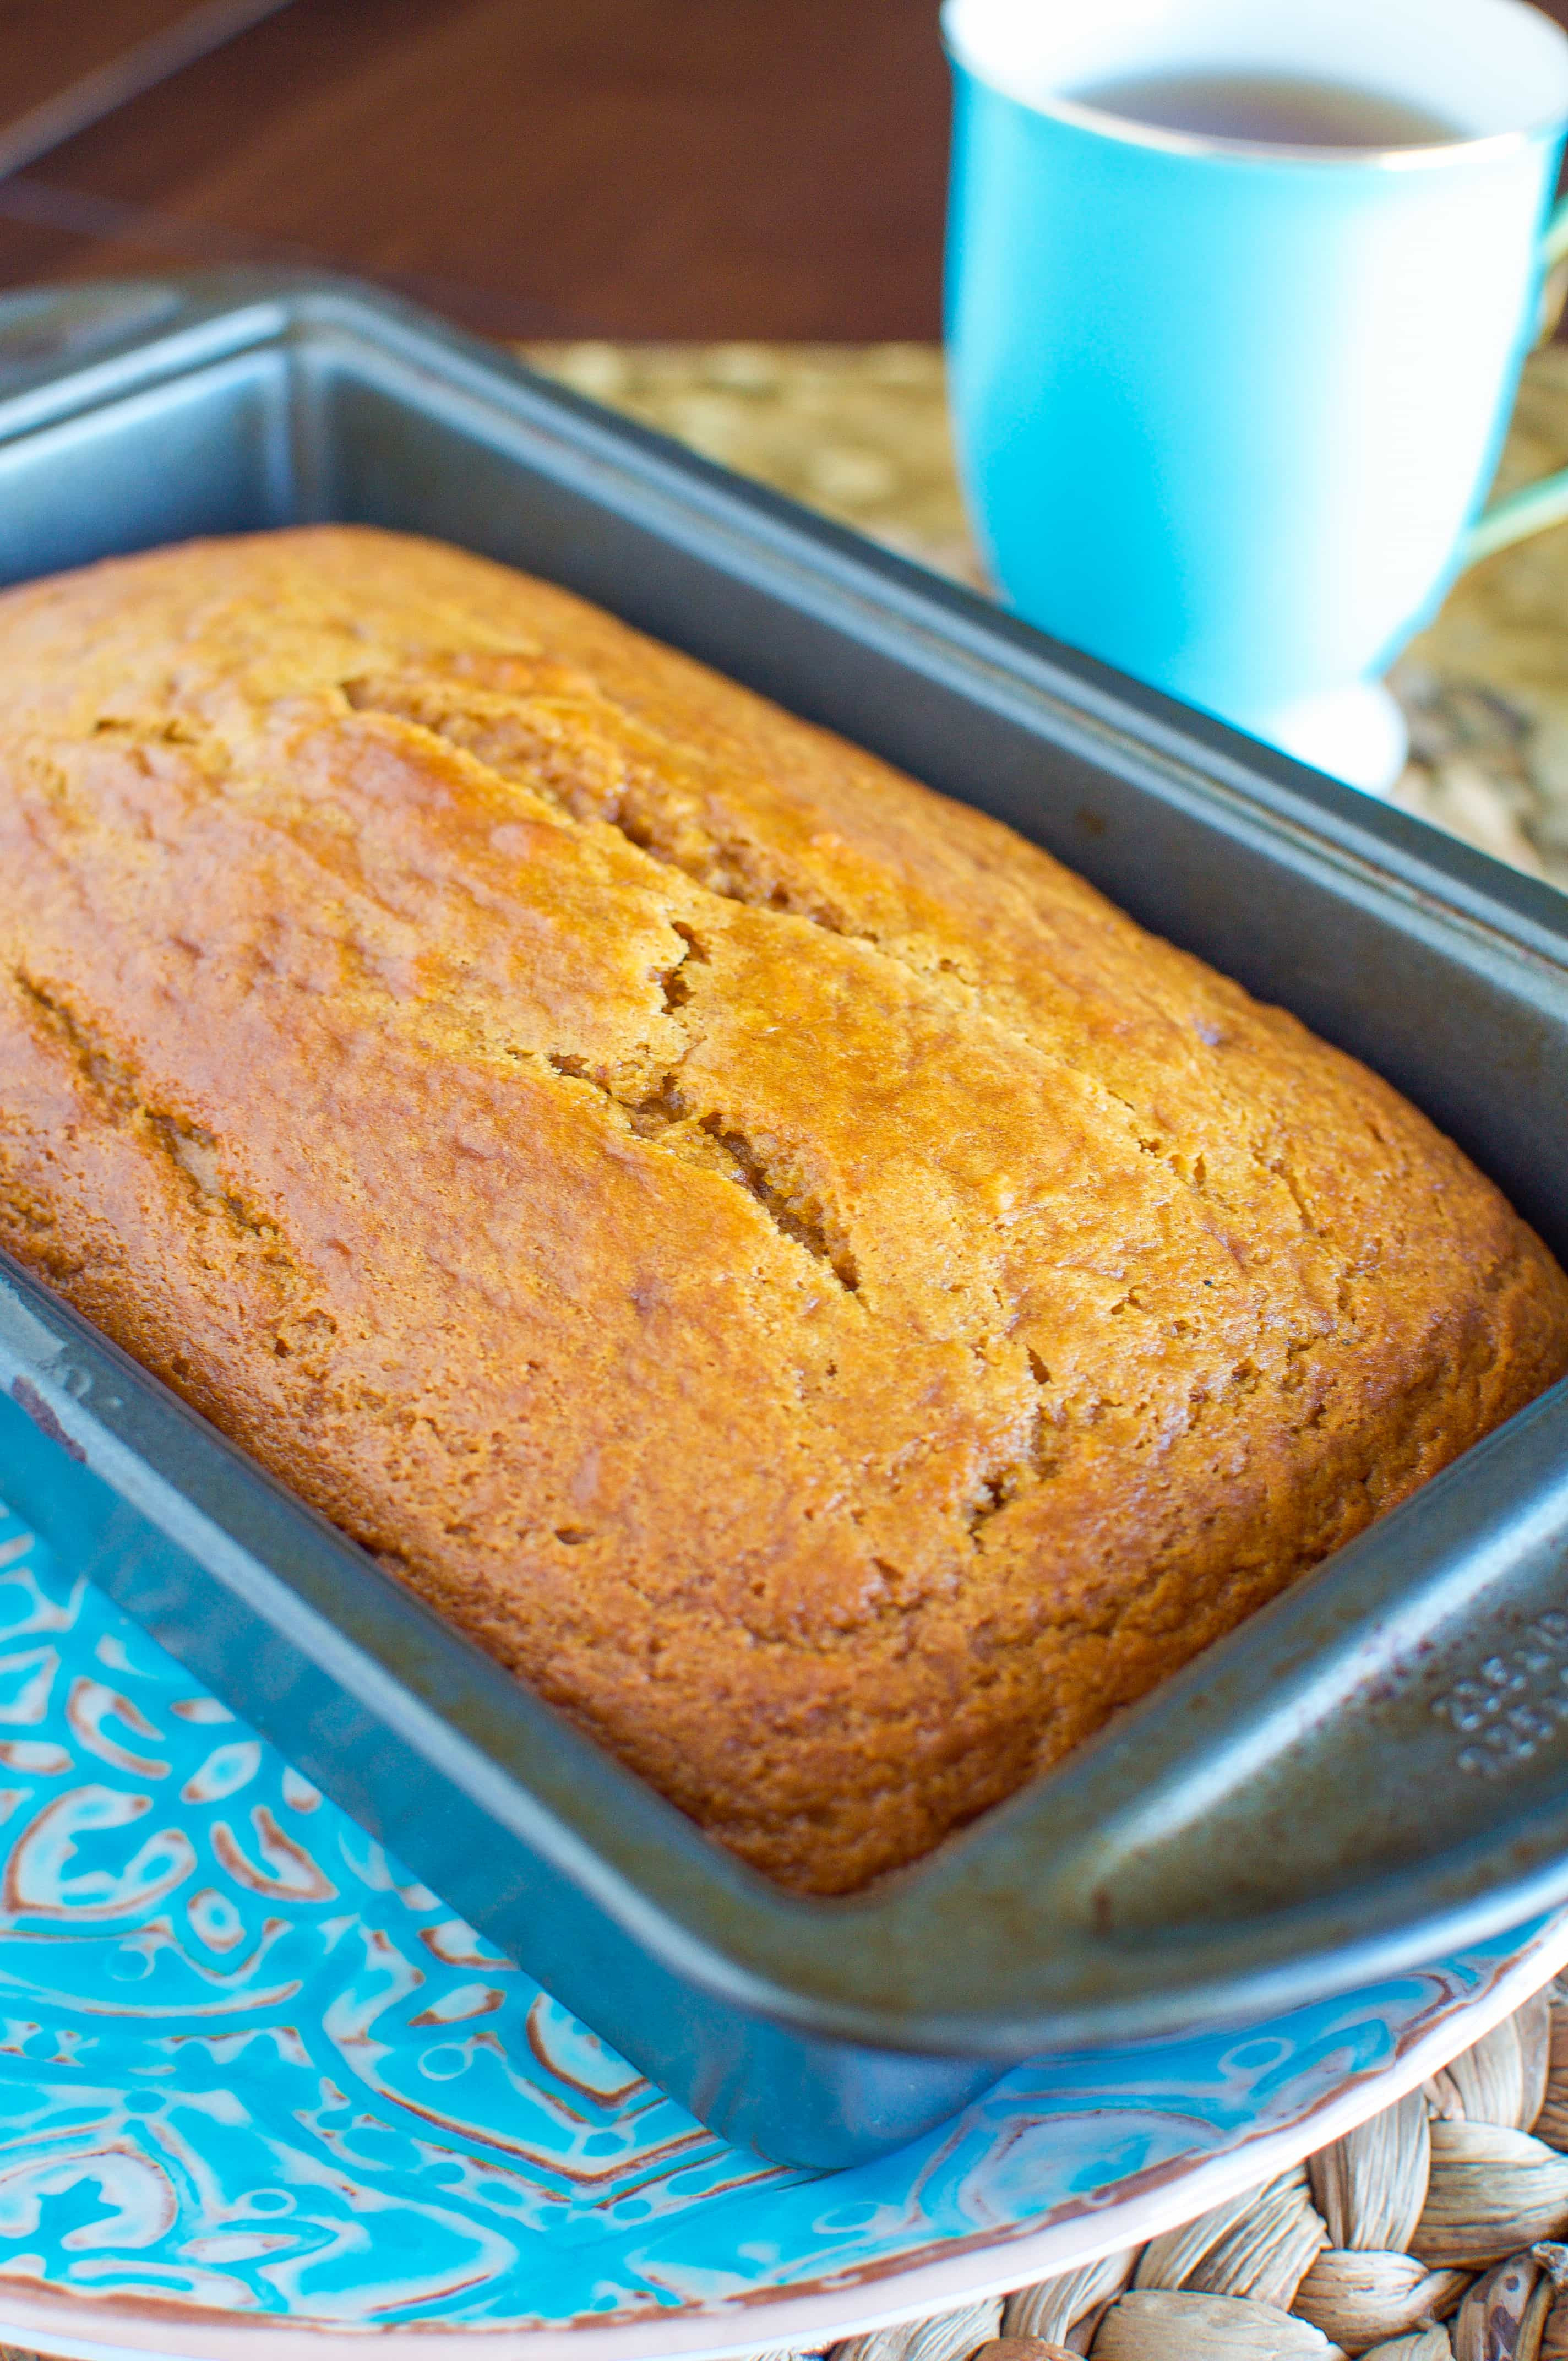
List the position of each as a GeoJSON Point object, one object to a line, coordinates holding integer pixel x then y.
{"type": "Point", "coordinates": [611, 167]}
{"type": "Point", "coordinates": [631, 167]}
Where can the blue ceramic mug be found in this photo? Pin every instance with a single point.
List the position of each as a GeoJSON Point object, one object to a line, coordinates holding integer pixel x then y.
{"type": "Point", "coordinates": [1224, 411]}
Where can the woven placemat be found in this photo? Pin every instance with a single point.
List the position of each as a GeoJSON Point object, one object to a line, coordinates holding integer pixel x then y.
{"type": "Point", "coordinates": [860, 432]}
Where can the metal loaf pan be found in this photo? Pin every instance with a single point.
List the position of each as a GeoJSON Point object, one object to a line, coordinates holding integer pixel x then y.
{"type": "Point", "coordinates": [1374, 1770]}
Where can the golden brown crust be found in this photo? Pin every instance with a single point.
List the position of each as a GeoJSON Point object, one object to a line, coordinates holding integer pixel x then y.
{"type": "Point", "coordinates": [778, 1260]}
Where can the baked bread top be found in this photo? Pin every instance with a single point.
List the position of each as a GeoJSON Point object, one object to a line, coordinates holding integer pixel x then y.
{"type": "Point", "coordinates": [782, 1262]}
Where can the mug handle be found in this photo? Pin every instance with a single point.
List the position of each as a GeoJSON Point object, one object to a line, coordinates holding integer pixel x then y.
{"type": "Point", "coordinates": [1541, 505]}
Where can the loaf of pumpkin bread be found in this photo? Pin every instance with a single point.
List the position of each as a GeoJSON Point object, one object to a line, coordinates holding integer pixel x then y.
{"type": "Point", "coordinates": [827, 1301]}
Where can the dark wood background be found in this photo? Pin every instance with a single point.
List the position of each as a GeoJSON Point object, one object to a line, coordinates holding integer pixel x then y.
{"type": "Point", "coordinates": [534, 168]}
{"type": "Point", "coordinates": [624, 167]}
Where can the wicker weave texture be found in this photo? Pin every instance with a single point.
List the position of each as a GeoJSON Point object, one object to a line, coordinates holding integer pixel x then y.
{"type": "Point", "coordinates": [1432, 2234]}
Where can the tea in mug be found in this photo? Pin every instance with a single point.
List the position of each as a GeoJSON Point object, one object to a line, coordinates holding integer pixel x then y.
{"type": "Point", "coordinates": [1269, 110]}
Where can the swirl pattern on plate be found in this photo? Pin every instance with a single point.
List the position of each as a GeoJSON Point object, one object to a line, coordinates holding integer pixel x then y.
{"type": "Point", "coordinates": [248, 2064]}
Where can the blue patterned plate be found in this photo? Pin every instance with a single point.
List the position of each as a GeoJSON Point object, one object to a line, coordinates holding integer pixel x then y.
{"type": "Point", "coordinates": [258, 2086]}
